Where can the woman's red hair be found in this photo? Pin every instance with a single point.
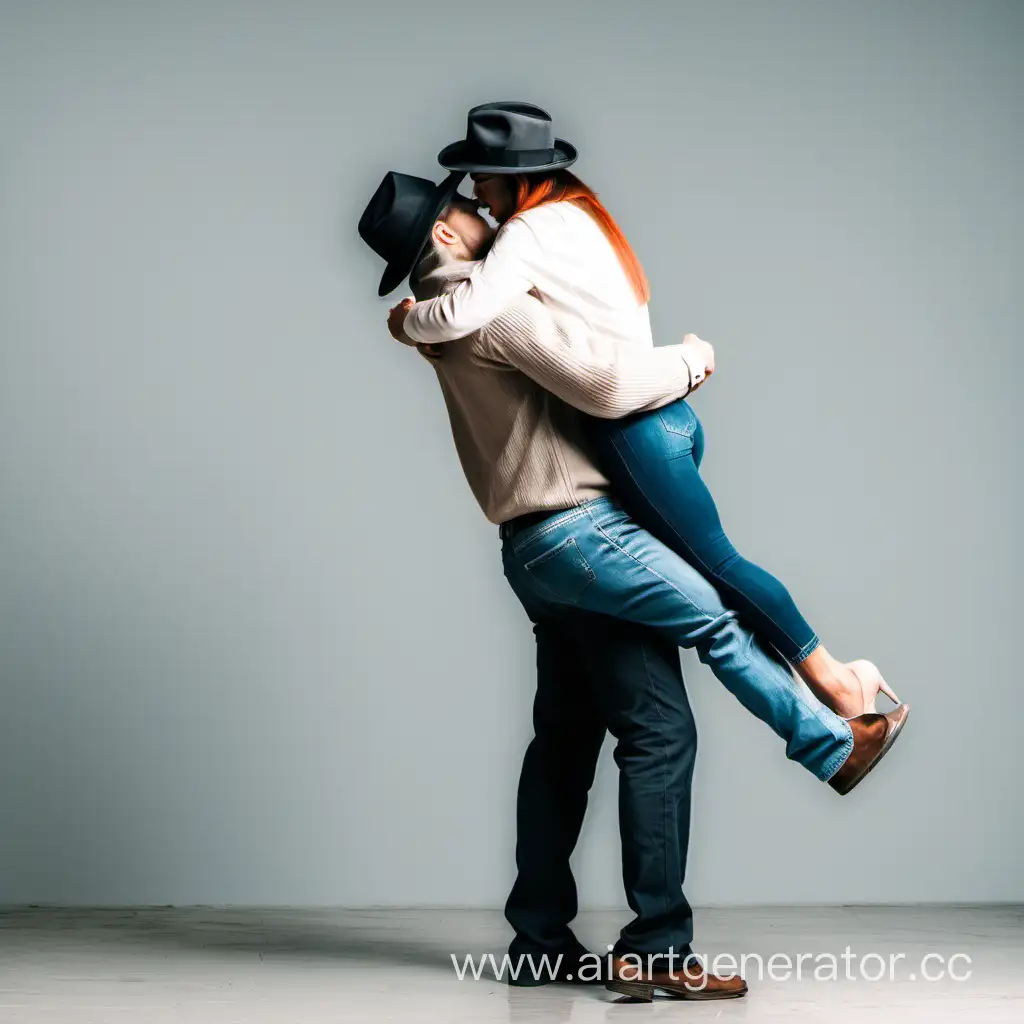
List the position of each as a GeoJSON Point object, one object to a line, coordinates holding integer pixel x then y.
{"type": "Point", "coordinates": [532, 190]}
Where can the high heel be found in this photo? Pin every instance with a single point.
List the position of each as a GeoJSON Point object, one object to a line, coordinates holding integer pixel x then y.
{"type": "Point", "coordinates": [871, 684]}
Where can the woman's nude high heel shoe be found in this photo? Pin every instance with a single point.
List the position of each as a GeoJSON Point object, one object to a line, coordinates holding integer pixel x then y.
{"type": "Point", "coordinates": [871, 684]}
{"type": "Point", "coordinates": [874, 732]}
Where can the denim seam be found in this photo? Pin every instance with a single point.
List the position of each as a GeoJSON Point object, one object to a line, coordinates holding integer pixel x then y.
{"type": "Point", "coordinates": [568, 544]}
{"type": "Point", "coordinates": [823, 714]}
{"type": "Point", "coordinates": [820, 712]}
{"type": "Point", "coordinates": [654, 572]}
{"type": "Point", "coordinates": [707, 570]}
{"type": "Point", "coordinates": [664, 776]}
{"type": "Point", "coordinates": [839, 759]}
{"type": "Point", "coordinates": [673, 430]}
{"type": "Point", "coordinates": [545, 530]}
{"type": "Point", "coordinates": [568, 516]}
{"type": "Point", "coordinates": [817, 709]}
{"type": "Point", "coordinates": [808, 648]}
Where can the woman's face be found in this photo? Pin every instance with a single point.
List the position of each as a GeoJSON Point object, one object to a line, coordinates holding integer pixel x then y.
{"type": "Point", "coordinates": [494, 191]}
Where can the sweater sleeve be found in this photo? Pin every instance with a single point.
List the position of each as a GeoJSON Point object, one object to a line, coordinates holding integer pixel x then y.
{"type": "Point", "coordinates": [500, 278]}
{"type": "Point", "coordinates": [602, 379]}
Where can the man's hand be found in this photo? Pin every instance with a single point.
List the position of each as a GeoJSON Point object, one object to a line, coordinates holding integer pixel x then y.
{"type": "Point", "coordinates": [700, 357]}
{"type": "Point", "coordinates": [396, 321]}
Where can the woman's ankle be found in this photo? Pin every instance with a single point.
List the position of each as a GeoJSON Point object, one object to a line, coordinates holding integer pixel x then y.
{"type": "Point", "coordinates": [832, 682]}
{"type": "Point", "coordinates": [820, 669]}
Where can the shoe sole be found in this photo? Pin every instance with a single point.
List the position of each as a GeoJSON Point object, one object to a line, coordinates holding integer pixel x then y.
{"type": "Point", "coordinates": [641, 992]}
{"type": "Point", "coordinates": [536, 983]}
{"type": "Point", "coordinates": [887, 743]}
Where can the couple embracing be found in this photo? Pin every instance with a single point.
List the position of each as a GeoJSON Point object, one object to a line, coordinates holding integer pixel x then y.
{"type": "Point", "coordinates": [577, 441]}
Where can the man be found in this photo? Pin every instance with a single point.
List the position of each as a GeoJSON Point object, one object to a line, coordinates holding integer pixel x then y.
{"type": "Point", "coordinates": [609, 603]}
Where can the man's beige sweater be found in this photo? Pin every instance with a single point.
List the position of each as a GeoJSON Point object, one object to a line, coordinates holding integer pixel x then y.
{"type": "Point", "coordinates": [514, 390]}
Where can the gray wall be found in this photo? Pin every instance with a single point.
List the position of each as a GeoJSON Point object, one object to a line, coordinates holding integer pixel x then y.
{"type": "Point", "coordinates": [255, 644]}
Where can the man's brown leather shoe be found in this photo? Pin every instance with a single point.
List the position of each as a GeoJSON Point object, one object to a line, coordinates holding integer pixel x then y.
{"type": "Point", "coordinates": [873, 735]}
{"type": "Point", "coordinates": [678, 980]}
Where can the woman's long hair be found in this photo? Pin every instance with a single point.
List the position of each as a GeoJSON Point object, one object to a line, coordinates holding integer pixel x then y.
{"type": "Point", "coordinates": [532, 190]}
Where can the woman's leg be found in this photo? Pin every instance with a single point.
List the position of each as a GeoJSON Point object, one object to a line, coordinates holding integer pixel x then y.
{"type": "Point", "coordinates": [652, 460]}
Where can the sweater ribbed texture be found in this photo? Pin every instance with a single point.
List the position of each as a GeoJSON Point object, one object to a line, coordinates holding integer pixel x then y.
{"type": "Point", "coordinates": [514, 391]}
{"type": "Point", "coordinates": [598, 377]}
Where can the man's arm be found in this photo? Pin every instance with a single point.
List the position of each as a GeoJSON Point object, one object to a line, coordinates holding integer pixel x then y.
{"type": "Point", "coordinates": [496, 282]}
{"type": "Point", "coordinates": [605, 379]}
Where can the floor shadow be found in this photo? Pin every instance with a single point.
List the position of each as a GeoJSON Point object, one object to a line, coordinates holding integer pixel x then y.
{"type": "Point", "coordinates": [333, 934]}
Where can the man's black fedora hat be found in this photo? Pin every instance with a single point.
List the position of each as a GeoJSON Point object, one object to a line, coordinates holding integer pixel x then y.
{"type": "Point", "coordinates": [397, 221]}
{"type": "Point", "coordinates": [508, 137]}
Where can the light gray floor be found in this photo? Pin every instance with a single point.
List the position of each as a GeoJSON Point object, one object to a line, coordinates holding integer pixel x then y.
{"type": "Point", "coordinates": [292, 966]}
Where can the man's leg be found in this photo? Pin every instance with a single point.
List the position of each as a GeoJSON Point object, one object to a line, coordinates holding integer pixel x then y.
{"type": "Point", "coordinates": [558, 771]}
{"type": "Point", "coordinates": [596, 558]}
{"type": "Point", "coordinates": [640, 689]}
{"type": "Point", "coordinates": [594, 670]}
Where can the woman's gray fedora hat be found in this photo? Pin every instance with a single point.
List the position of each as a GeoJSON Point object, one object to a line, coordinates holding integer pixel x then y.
{"type": "Point", "coordinates": [508, 137]}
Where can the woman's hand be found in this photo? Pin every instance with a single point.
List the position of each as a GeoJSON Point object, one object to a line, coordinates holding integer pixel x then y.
{"type": "Point", "coordinates": [396, 321]}
{"type": "Point", "coordinates": [700, 357]}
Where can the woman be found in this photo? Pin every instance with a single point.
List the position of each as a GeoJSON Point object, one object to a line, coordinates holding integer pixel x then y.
{"type": "Point", "coordinates": [558, 240]}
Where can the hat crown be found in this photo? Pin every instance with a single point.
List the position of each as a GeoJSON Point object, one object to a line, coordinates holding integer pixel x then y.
{"type": "Point", "coordinates": [397, 220]}
{"type": "Point", "coordinates": [499, 128]}
{"type": "Point", "coordinates": [508, 137]}
{"type": "Point", "coordinates": [394, 211]}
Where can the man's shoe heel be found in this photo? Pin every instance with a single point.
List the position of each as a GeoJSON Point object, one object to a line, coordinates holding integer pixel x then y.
{"type": "Point", "coordinates": [636, 990]}
{"type": "Point", "coordinates": [868, 747]}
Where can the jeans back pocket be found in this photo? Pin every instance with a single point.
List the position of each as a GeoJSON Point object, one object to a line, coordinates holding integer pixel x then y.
{"type": "Point", "coordinates": [678, 425]}
{"type": "Point", "coordinates": [678, 417]}
{"type": "Point", "coordinates": [562, 572]}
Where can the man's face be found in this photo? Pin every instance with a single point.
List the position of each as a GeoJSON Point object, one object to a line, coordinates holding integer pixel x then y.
{"type": "Point", "coordinates": [471, 229]}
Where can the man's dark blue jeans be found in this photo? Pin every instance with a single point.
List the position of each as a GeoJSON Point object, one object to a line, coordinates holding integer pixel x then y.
{"type": "Point", "coordinates": [595, 673]}
{"type": "Point", "coordinates": [610, 606]}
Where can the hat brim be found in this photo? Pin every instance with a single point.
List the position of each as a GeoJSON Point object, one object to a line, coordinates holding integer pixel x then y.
{"type": "Point", "coordinates": [401, 266]}
{"type": "Point", "coordinates": [457, 157]}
